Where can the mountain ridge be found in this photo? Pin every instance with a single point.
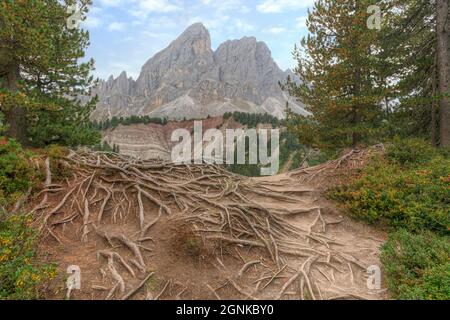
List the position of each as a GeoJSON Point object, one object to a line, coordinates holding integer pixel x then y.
{"type": "Point", "coordinates": [188, 79]}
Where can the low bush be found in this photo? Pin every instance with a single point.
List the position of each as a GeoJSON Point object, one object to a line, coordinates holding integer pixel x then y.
{"type": "Point", "coordinates": [16, 172]}
{"type": "Point", "coordinates": [412, 152]}
{"type": "Point", "coordinates": [414, 196]}
{"type": "Point", "coordinates": [20, 276]}
{"type": "Point", "coordinates": [58, 169]}
{"type": "Point", "coordinates": [417, 266]}
{"type": "Point", "coordinates": [407, 189]}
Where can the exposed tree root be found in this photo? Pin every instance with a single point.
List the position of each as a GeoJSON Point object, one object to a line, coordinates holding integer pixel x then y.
{"type": "Point", "coordinates": [220, 207]}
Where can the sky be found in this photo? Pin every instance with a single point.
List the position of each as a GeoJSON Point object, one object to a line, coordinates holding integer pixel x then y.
{"type": "Point", "coordinates": [124, 34]}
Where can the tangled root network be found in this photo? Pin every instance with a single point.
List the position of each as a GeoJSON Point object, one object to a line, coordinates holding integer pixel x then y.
{"type": "Point", "coordinates": [154, 230]}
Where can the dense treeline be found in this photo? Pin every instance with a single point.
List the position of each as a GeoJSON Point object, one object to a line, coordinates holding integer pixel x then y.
{"type": "Point", "coordinates": [106, 147]}
{"type": "Point", "coordinates": [126, 121]}
{"type": "Point", "coordinates": [292, 155]}
{"type": "Point", "coordinates": [253, 119]}
{"type": "Point", "coordinates": [248, 119]}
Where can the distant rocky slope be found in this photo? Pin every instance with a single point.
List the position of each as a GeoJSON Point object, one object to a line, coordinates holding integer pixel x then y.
{"type": "Point", "coordinates": [153, 141]}
{"type": "Point", "coordinates": [190, 80]}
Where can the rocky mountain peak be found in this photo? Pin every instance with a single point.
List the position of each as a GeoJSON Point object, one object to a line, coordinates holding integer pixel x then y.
{"type": "Point", "coordinates": [123, 76]}
{"type": "Point", "coordinates": [197, 27]}
{"type": "Point", "coordinates": [196, 30]}
{"type": "Point", "coordinates": [188, 79]}
{"type": "Point", "coordinates": [196, 37]}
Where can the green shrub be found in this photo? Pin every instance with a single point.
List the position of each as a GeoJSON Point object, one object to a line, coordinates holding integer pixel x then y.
{"type": "Point", "coordinates": [409, 190]}
{"type": "Point", "coordinates": [16, 172]}
{"type": "Point", "coordinates": [55, 151]}
{"type": "Point", "coordinates": [417, 266]}
{"type": "Point", "coordinates": [413, 151]}
{"type": "Point", "coordinates": [414, 196]}
{"type": "Point", "coordinates": [3, 125]}
{"type": "Point", "coordinates": [58, 169]}
{"type": "Point", "coordinates": [20, 277]}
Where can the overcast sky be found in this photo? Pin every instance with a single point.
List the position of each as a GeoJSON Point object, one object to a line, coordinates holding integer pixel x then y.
{"type": "Point", "coordinates": [126, 33]}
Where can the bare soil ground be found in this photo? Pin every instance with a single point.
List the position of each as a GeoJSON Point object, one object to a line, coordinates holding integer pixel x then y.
{"type": "Point", "coordinates": [152, 230]}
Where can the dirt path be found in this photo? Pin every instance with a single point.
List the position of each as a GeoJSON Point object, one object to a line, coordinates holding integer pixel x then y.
{"type": "Point", "coordinates": [147, 230]}
{"type": "Point", "coordinates": [350, 237]}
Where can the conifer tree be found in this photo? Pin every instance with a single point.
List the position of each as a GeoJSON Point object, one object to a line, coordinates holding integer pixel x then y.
{"type": "Point", "coordinates": [340, 75]}
{"type": "Point", "coordinates": [409, 42]}
{"type": "Point", "coordinates": [41, 75]}
{"type": "Point", "coordinates": [416, 41]}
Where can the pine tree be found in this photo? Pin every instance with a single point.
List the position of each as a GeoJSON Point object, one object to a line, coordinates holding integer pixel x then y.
{"type": "Point", "coordinates": [41, 74]}
{"type": "Point", "coordinates": [409, 43]}
{"type": "Point", "coordinates": [416, 42]}
{"type": "Point", "coordinates": [340, 78]}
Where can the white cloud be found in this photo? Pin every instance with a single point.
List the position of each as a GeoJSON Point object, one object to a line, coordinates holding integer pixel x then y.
{"type": "Point", "coordinates": [91, 22]}
{"type": "Point", "coordinates": [276, 30]}
{"type": "Point", "coordinates": [142, 7]}
{"type": "Point", "coordinates": [243, 26]}
{"type": "Point", "coordinates": [301, 22]}
{"type": "Point", "coordinates": [157, 35]}
{"type": "Point", "coordinates": [135, 23]}
{"type": "Point", "coordinates": [158, 6]}
{"type": "Point", "coordinates": [116, 26]}
{"type": "Point", "coordinates": [95, 10]}
{"type": "Point", "coordinates": [128, 39]}
{"type": "Point", "coordinates": [114, 68]}
{"type": "Point", "coordinates": [157, 23]}
{"type": "Point", "coordinates": [213, 23]}
{"type": "Point", "coordinates": [94, 18]}
{"type": "Point", "coordinates": [110, 3]}
{"type": "Point", "coordinates": [227, 5]}
{"type": "Point", "coordinates": [137, 10]}
{"type": "Point", "coordinates": [224, 25]}
{"type": "Point", "coordinates": [119, 66]}
{"type": "Point", "coordinates": [277, 6]}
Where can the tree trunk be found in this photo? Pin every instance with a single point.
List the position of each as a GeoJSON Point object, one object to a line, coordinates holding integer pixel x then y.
{"type": "Point", "coordinates": [434, 136]}
{"type": "Point", "coordinates": [356, 136]}
{"type": "Point", "coordinates": [442, 32]}
{"type": "Point", "coordinates": [16, 116]}
{"type": "Point", "coordinates": [434, 107]}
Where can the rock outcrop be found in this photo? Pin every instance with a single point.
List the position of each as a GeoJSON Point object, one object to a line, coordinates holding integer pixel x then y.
{"type": "Point", "coordinates": [190, 80]}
